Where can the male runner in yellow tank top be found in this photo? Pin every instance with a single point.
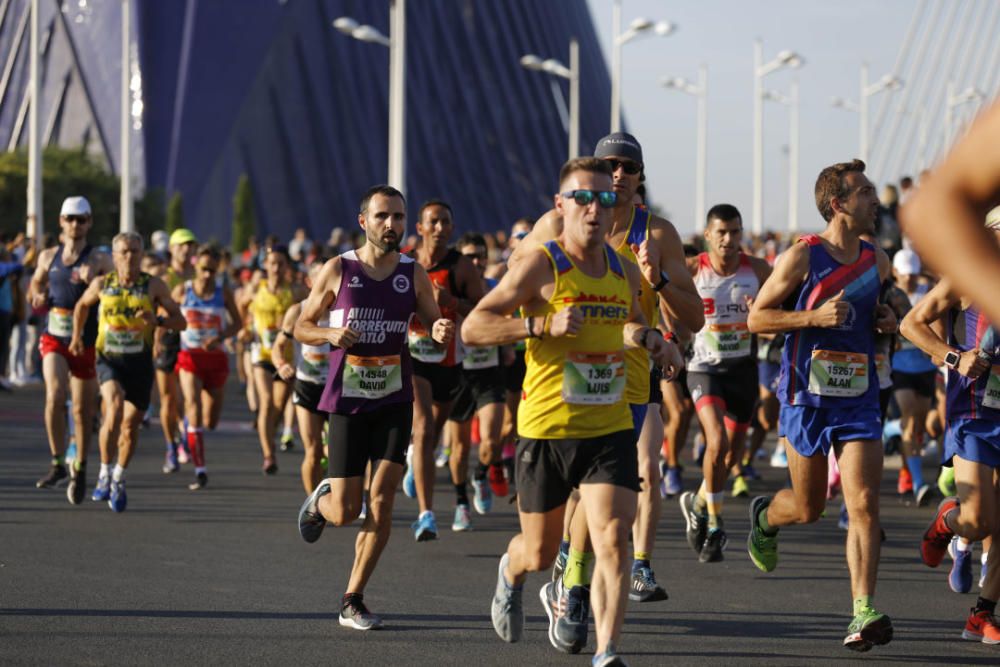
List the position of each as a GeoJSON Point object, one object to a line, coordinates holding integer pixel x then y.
{"type": "Point", "coordinates": [575, 426]}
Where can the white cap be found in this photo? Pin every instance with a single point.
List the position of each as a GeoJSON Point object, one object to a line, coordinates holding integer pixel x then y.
{"type": "Point", "coordinates": [75, 206]}
{"type": "Point", "coordinates": [906, 263]}
{"type": "Point", "coordinates": [160, 240]}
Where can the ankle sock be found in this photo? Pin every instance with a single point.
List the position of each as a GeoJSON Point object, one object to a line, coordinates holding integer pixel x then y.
{"type": "Point", "coordinates": [982, 604]}
{"type": "Point", "coordinates": [579, 568]}
{"type": "Point", "coordinates": [862, 602]}
{"type": "Point", "coordinates": [461, 494]}
{"type": "Point", "coordinates": [118, 474]}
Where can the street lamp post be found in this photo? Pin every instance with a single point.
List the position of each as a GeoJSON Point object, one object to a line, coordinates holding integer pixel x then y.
{"type": "Point", "coordinates": [792, 102]}
{"type": "Point", "coordinates": [619, 39]}
{"type": "Point", "coordinates": [572, 74]}
{"type": "Point", "coordinates": [953, 100]}
{"type": "Point", "coordinates": [887, 82]}
{"type": "Point", "coordinates": [34, 194]}
{"type": "Point", "coordinates": [699, 90]}
{"type": "Point", "coordinates": [396, 43]}
{"type": "Point", "coordinates": [760, 70]}
{"type": "Point", "coordinates": [126, 221]}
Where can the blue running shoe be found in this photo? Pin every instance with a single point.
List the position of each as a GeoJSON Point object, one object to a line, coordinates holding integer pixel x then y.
{"type": "Point", "coordinates": [425, 527]}
{"type": "Point", "coordinates": [102, 490]}
{"type": "Point", "coordinates": [982, 572]}
{"type": "Point", "coordinates": [608, 658]}
{"type": "Point", "coordinates": [71, 451]}
{"type": "Point", "coordinates": [750, 472]}
{"type": "Point", "coordinates": [779, 459]}
{"type": "Point", "coordinates": [671, 484]}
{"type": "Point", "coordinates": [843, 522]}
{"type": "Point", "coordinates": [482, 496]}
{"type": "Point", "coordinates": [960, 577]}
{"type": "Point", "coordinates": [409, 483]}
{"type": "Point", "coordinates": [118, 499]}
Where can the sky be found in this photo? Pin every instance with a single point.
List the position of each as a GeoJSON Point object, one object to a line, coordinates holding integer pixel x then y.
{"type": "Point", "coordinates": [833, 37]}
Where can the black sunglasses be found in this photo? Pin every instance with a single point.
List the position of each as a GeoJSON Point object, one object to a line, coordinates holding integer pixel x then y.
{"type": "Point", "coordinates": [631, 167]}
{"type": "Point", "coordinates": [605, 198]}
{"type": "Point", "coordinates": [82, 219]}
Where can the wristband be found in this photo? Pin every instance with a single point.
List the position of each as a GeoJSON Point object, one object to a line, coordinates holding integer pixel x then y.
{"type": "Point", "coordinates": [528, 322]}
{"type": "Point", "coordinates": [288, 334]}
{"type": "Point", "coordinates": [670, 337]}
{"type": "Point", "coordinates": [160, 319]}
{"type": "Point", "coordinates": [664, 281]}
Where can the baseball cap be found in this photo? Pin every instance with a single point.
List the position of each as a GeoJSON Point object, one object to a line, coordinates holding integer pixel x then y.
{"type": "Point", "coordinates": [620, 144]}
{"type": "Point", "coordinates": [160, 240]}
{"type": "Point", "coordinates": [75, 206]}
{"type": "Point", "coordinates": [993, 218]}
{"type": "Point", "coordinates": [181, 236]}
{"type": "Point", "coordinates": [906, 262]}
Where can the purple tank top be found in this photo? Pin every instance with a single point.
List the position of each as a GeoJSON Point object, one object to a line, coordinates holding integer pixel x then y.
{"type": "Point", "coordinates": [973, 399]}
{"type": "Point", "coordinates": [376, 370]}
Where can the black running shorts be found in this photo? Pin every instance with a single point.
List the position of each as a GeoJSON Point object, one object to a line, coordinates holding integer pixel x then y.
{"type": "Point", "coordinates": [737, 389]}
{"type": "Point", "coordinates": [514, 374]}
{"type": "Point", "coordinates": [921, 383]}
{"type": "Point", "coordinates": [134, 372]}
{"type": "Point", "coordinates": [655, 392]}
{"type": "Point", "coordinates": [382, 434]}
{"type": "Point", "coordinates": [307, 395]}
{"type": "Point", "coordinates": [480, 387]}
{"type": "Point", "coordinates": [445, 380]}
{"type": "Point", "coordinates": [166, 360]}
{"type": "Point", "coordinates": [547, 471]}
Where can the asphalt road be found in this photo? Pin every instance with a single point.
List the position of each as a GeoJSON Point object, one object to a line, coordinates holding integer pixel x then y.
{"type": "Point", "coordinates": [220, 576]}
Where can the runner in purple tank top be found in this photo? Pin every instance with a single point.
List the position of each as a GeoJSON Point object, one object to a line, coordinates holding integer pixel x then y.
{"type": "Point", "coordinates": [369, 296]}
{"type": "Point", "coordinates": [824, 293]}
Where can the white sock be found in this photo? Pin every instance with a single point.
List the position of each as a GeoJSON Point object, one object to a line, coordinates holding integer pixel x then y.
{"type": "Point", "coordinates": [119, 473]}
{"type": "Point", "coordinates": [105, 470]}
{"type": "Point", "coordinates": [286, 432]}
{"type": "Point", "coordinates": [982, 559]}
{"type": "Point", "coordinates": [198, 470]}
{"type": "Point", "coordinates": [962, 544]}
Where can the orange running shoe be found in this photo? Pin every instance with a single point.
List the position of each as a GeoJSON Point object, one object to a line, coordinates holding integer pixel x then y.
{"type": "Point", "coordinates": [905, 484]}
{"type": "Point", "coordinates": [498, 480]}
{"type": "Point", "coordinates": [938, 535]}
{"type": "Point", "coordinates": [981, 626]}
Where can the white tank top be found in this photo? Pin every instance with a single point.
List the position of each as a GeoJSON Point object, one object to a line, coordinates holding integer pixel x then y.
{"type": "Point", "coordinates": [725, 340]}
{"type": "Point", "coordinates": [314, 360]}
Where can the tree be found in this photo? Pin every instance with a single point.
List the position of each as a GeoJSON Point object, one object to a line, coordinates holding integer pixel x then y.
{"type": "Point", "coordinates": [244, 217]}
{"type": "Point", "coordinates": [175, 213]}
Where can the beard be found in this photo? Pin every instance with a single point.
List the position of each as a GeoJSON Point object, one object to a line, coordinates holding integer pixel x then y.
{"type": "Point", "coordinates": [385, 243]}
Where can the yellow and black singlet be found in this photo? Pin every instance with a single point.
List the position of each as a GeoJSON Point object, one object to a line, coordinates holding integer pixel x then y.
{"type": "Point", "coordinates": [123, 326]}
{"type": "Point", "coordinates": [268, 310]}
{"type": "Point", "coordinates": [574, 386]}
{"type": "Point", "coordinates": [637, 364]}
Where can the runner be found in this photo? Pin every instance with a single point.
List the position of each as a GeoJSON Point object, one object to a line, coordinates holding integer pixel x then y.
{"type": "Point", "coordinates": [262, 309]}
{"type": "Point", "coordinates": [127, 317]}
{"type": "Point", "coordinates": [60, 279]}
{"type": "Point", "coordinates": [202, 362]}
{"type": "Point", "coordinates": [722, 374]}
{"type": "Point", "coordinates": [166, 346]}
{"type": "Point", "coordinates": [482, 395]}
{"type": "Point", "coordinates": [368, 393]}
{"type": "Point", "coordinates": [828, 401]}
{"type": "Point", "coordinates": [575, 428]}
{"type": "Point", "coordinates": [436, 371]}
{"type": "Point", "coordinates": [972, 443]}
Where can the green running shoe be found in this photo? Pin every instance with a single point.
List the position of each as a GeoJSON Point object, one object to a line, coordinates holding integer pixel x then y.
{"type": "Point", "coordinates": [869, 628]}
{"type": "Point", "coordinates": [740, 487]}
{"type": "Point", "coordinates": [946, 482]}
{"type": "Point", "coordinates": [763, 549]}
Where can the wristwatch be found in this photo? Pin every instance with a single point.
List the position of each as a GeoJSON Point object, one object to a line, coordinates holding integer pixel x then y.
{"type": "Point", "coordinates": [664, 281]}
{"type": "Point", "coordinates": [951, 359]}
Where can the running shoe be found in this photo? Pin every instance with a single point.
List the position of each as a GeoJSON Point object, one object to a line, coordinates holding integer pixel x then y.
{"type": "Point", "coordinates": [498, 480]}
{"type": "Point", "coordinates": [904, 484]}
{"type": "Point", "coordinates": [287, 442]}
{"type": "Point", "coordinates": [200, 481]}
{"type": "Point", "coordinates": [409, 481]}
{"type": "Point", "coordinates": [740, 487]}
{"type": "Point", "coordinates": [750, 472]}
{"type": "Point", "coordinates": [981, 626]}
{"type": "Point", "coordinates": [559, 565]}
{"type": "Point", "coordinates": [982, 572]}
{"type": "Point", "coordinates": [960, 577]}
{"type": "Point", "coordinates": [869, 628]}
{"type": "Point", "coordinates": [71, 452]}
{"type": "Point", "coordinates": [311, 520]}
{"type": "Point", "coordinates": [507, 609]}
{"type": "Point", "coordinates": [608, 658]}
{"type": "Point", "coordinates": [425, 527]}
{"type": "Point", "coordinates": [183, 455]}
{"type": "Point", "coordinates": [463, 521]}
{"type": "Point", "coordinates": [354, 614]}
{"type": "Point", "coordinates": [442, 456]}
{"type": "Point", "coordinates": [102, 490]}
{"type": "Point", "coordinates": [77, 484]}
{"type": "Point", "coordinates": [57, 473]}
{"type": "Point", "coordinates": [946, 482]}
{"type": "Point", "coordinates": [117, 499]}
{"type": "Point", "coordinates": [670, 484]}
{"type": "Point", "coordinates": [844, 522]}
{"type": "Point", "coordinates": [567, 612]}
{"type": "Point", "coordinates": [923, 495]}
{"type": "Point", "coordinates": [363, 514]}
{"type": "Point", "coordinates": [715, 544]}
{"type": "Point", "coordinates": [644, 587]}
{"type": "Point", "coordinates": [763, 548]}
{"type": "Point", "coordinates": [170, 463]}
{"type": "Point", "coordinates": [697, 524]}
{"type": "Point", "coordinates": [779, 459]}
{"type": "Point", "coordinates": [938, 535]}
{"type": "Point", "coordinates": [482, 496]}
{"type": "Point", "coordinates": [269, 466]}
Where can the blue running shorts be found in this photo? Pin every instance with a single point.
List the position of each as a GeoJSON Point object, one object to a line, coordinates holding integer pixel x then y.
{"type": "Point", "coordinates": [811, 430]}
{"type": "Point", "coordinates": [638, 417]}
{"type": "Point", "coordinates": [975, 440]}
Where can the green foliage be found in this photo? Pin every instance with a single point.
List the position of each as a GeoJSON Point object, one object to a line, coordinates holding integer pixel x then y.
{"type": "Point", "coordinates": [244, 217]}
{"type": "Point", "coordinates": [175, 213]}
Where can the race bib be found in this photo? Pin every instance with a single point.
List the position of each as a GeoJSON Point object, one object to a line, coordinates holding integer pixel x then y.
{"type": "Point", "coordinates": [199, 329]}
{"type": "Point", "coordinates": [728, 341]}
{"type": "Point", "coordinates": [423, 347]}
{"type": "Point", "coordinates": [371, 377]}
{"type": "Point", "coordinates": [883, 370]}
{"type": "Point", "coordinates": [314, 364]}
{"type": "Point", "coordinates": [593, 378]}
{"type": "Point", "coordinates": [123, 341]}
{"type": "Point", "coordinates": [61, 322]}
{"type": "Point", "coordinates": [268, 336]}
{"type": "Point", "coordinates": [991, 397]}
{"type": "Point", "coordinates": [840, 374]}
{"type": "Point", "coordinates": [481, 357]}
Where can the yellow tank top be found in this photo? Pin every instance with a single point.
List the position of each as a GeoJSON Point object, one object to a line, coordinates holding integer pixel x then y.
{"type": "Point", "coordinates": [574, 386]}
{"type": "Point", "coordinates": [172, 278]}
{"type": "Point", "coordinates": [268, 309]}
{"type": "Point", "coordinates": [637, 363]}
{"type": "Point", "coordinates": [122, 327]}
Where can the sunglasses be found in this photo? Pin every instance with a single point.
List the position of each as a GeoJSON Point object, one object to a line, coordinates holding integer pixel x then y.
{"type": "Point", "coordinates": [475, 255]}
{"type": "Point", "coordinates": [605, 198]}
{"type": "Point", "coordinates": [81, 219]}
{"type": "Point", "coordinates": [209, 269]}
{"type": "Point", "coordinates": [631, 167]}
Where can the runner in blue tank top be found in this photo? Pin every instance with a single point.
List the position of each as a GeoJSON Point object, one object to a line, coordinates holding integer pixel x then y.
{"type": "Point", "coordinates": [971, 351]}
{"type": "Point", "coordinates": [829, 286]}
{"type": "Point", "coordinates": [369, 296]}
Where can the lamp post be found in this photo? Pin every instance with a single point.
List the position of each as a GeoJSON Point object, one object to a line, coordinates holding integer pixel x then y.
{"type": "Point", "coordinates": [760, 70]}
{"type": "Point", "coordinates": [887, 82]}
{"type": "Point", "coordinates": [396, 43]}
{"type": "Point", "coordinates": [953, 100]}
{"type": "Point", "coordinates": [34, 194]}
{"type": "Point", "coordinates": [126, 221]}
{"type": "Point", "coordinates": [699, 90]}
{"type": "Point", "coordinates": [792, 102]}
{"type": "Point", "coordinates": [571, 73]}
{"type": "Point", "coordinates": [618, 39]}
